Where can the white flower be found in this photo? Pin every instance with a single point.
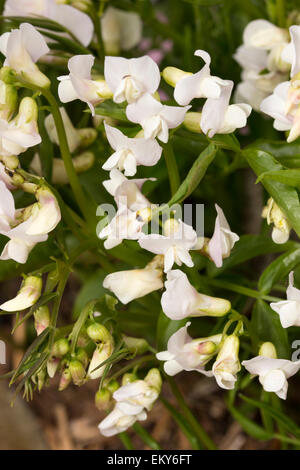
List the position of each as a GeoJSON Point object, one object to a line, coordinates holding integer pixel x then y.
{"type": "Point", "coordinates": [218, 117]}
{"type": "Point", "coordinates": [124, 226]}
{"type": "Point", "coordinates": [179, 238]}
{"type": "Point", "coordinates": [72, 134]}
{"type": "Point", "coordinates": [263, 35]}
{"type": "Point", "coordinates": [282, 227]}
{"type": "Point", "coordinates": [130, 152]}
{"type": "Point", "coordinates": [135, 283]}
{"type": "Point", "coordinates": [289, 310]}
{"type": "Point", "coordinates": [27, 296]}
{"type": "Point", "coordinates": [272, 373]}
{"type": "Point", "coordinates": [120, 30]}
{"type": "Point", "coordinates": [22, 48]}
{"type": "Point", "coordinates": [198, 85]}
{"type": "Point", "coordinates": [291, 52]}
{"type": "Point", "coordinates": [227, 363]}
{"type": "Point", "coordinates": [79, 84]}
{"type": "Point", "coordinates": [185, 353]}
{"type": "Point", "coordinates": [155, 118]}
{"type": "Point", "coordinates": [20, 244]}
{"type": "Point", "coordinates": [181, 300]}
{"type": "Point", "coordinates": [118, 421]}
{"type": "Point", "coordinates": [129, 79]}
{"type": "Point", "coordinates": [21, 132]}
{"type": "Point", "coordinates": [223, 239]}
{"type": "Point", "coordinates": [5, 177]}
{"type": "Point", "coordinates": [77, 22]}
{"type": "Point", "coordinates": [45, 214]}
{"type": "Point", "coordinates": [102, 352]}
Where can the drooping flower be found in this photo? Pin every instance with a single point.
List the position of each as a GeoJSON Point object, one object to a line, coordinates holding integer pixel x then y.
{"type": "Point", "coordinates": [289, 310]}
{"type": "Point", "coordinates": [77, 22]}
{"type": "Point", "coordinates": [118, 421]}
{"type": "Point", "coordinates": [223, 239]}
{"type": "Point", "coordinates": [130, 79]}
{"type": "Point", "coordinates": [282, 227]}
{"type": "Point", "coordinates": [135, 283]}
{"type": "Point", "coordinates": [181, 300]}
{"type": "Point", "coordinates": [178, 239]}
{"type": "Point", "coordinates": [185, 353]}
{"type": "Point", "coordinates": [227, 363]}
{"type": "Point", "coordinates": [189, 86]}
{"type": "Point", "coordinates": [130, 152]}
{"type": "Point", "coordinates": [272, 372]}
{"type": "Point", "coordinates": [80, 85]}
{"type": "Point", "coordinates": [22, 48]}
{"type": "Point", "coordinates": [45, 214]}
{"type": "Point", "coordinates": [27, 296]}
{"type": "Point", "coordinates": [155, 118]}
{"type": "Point", "coordinates": [120, 30]}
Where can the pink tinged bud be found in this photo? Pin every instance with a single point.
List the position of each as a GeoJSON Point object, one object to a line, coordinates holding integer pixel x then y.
{"type": "Point", "coordinates": [65, 380]}
{"type": "Point", "coordinates": [41, 319]}
{"type": "Point", "coordinates": [77, 372]}
{"type": "Point", "coordinates": [28, 295]}
{"type": "Point", "coordinates": [206, 348]}
{"type": "Point", "coordinates": [52, 366]}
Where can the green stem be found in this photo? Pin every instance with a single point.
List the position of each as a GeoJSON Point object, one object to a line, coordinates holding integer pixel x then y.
{"type": "Point", "coordinates": [280, 9]}
{"type": "Point", "coordinates": [64, 274]}
{"type": "Point", "coordinates": [145, 436]}
{"type": "Point", "coordinates": [172, 167]}
{"type": "Point", "coordinates": [134, 363]}
{"type": "Point", "coordinates": [199, 431]}
{"type": "Point", "coordinates": [126, 441]}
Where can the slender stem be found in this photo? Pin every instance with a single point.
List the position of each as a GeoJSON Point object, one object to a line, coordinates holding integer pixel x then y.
{"type": "Point", "coordinates": [280, 9]}
{"type": "Point", "coordinates": [66, 155]}
{"type": "Point", "coordinates": [172, 168]}
{"type": "Point", "coordinates": [64, 274]}
{"type": "Point", "coordinates": [199, 431]}
{"type": "Point", "coordinates": [134, 363]}
{"type": "Point", "coordinates": [126, 441]}
{"type": "Point", "coordinates": [145, 436]}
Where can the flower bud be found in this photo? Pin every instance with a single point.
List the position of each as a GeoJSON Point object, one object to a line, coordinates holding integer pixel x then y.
{"type": "Point", "coordinates": [82, 5]}
{"type": "Point", "coordinates": [206, 348]}
{"type": "Point", "coordinates": [128, 378]}
{"type": "Point", "coordinates": [172, 75]}
{"type": "Point", "coordinates": [98, 333]}
{"type": "Point", "coordinates": [11, 162]}
{"type": "Point", "coordinates": [27, 296]}
{"type": "Point", "coordinates": [103, 399]}
{"type": "Point", "coordinates": [101, 354]}
{"type": "Point", "coordinates": [87, 136]}
{"type": "Point", "coordinates": [65, 380]}
{"type": "Point", "coordinates": [41, 319]}
{"type": "Point", "coordinates": [111, 385]}
{"type": "Point", "coordinates": [192, 122]}
{"type": "Point", "coordinates": [28, 110]}
{"type": "Point", "coordinates": [8, 75]}
{"type": "Point", "coordinates": [171, 226]}
{"type": "Point", "coordinates": [153, 379]}
{"type": "Point", "coordinates": [227, 363]}
{"type": "Point", "coordinates": [45, 214]}
{"type": "Point", "coordinates": [52, 366]}
{"type": "Point", "coordinates": [60, 348]}
{"type": "Point", "coordinates": [268, 350]}
{"type": "Point", "coordinates": [136, 345]}
{"type": "Point", "coordinates": [41, 376]}
{"type": "Point", "coordinates": [8, 100]}
{"type": "Point", "coordinates": [77, 372]}
{"type": "Point", "coordinates": [72, 134]}
{"type": "Point", "coordinates": [82, 356]}
{"type": "Point", "coordinates": [282, 226]}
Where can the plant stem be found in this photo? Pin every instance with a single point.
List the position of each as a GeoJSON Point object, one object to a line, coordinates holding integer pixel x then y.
{"type": "Point", "coordinates": [172, 167]}
{"type": "Point", "coordinates": [126, 441]}
{"type": "Point", "coordinates": [199, 431]}
{"type": "Point", "coordinates": [145, 436]}
{"type": "Point", "coordinates": [132, 364]}
{"type": "Point", "coordinates": [280, 9]}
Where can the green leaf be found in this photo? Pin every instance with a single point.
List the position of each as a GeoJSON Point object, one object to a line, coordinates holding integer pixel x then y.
{"type": "Point", "coordinates": [226, 141]}
{"type": "Point", "coordinates": [288, 177]}
{"type": "Point", "coordinates": [109, 108]}
{"type": "Point", "coordinates": [278, 270]}
{"type": "Point", "coordinates": [287, 154]}
{"type": "Point", "coordinates": [266, 326]}
{"type": "Point", "coordinates": [195, 175]}
{"type": "Point", "coordinates": [165, 328]}
{"type": "Point", "coordinates": [248, 247]}
{"type": "Point", "coordinates": [285, 196]}
{"type": "Point", "coordinates": [248, 425]}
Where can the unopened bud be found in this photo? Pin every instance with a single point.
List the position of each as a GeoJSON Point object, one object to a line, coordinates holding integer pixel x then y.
{"type": "Point", "coordinates": [65, 380]}
{"type": "Point", "coordinates": [268, 350]}
{"type": "Point", "coordinates": [52, 366]}
{"type": "Point", "coordinates": [136, 345]}
{"type": "Point", "coordinates": [11, 162]}
{"type": "Point", "coordinates": [192, 122]}
{"type": "Point", "coordinates": [102, 352]}
{"type": "Point", "coordinates": [153, 378]}
{"type": "Point", "coordinates": [172, 75]}
{"type": "Point", "coordinates": [28, 109]}
{"type": "Point", "coordinates": [60, 348]}
{"type": "Point", "coordinates": [170, 227]}
{"type": "Point", "coordinates": [41, 376]}
{"type": "Point", "coordinates": [82, 356]}
{"type": "Point", "coordinates": [111, 385]}
{"type": "Point", "coordinates": [128, 378]}
{"type": "Point", "coordinates": [28, 295]}
{"type": "Point", "coordinates": [103, 399]}
{"type": "Point", "coordinates": [41, 319]}
{"type": "Point", "coordinates": [87, 136]}
{"type": "Point", "coordinates": [206, 348]}
{"type": "Point", "coordinates": [77, 372]}
{"type": "Point", "coordinates": [98, 333]}
{"type": "Point", "coordinates": [8, 75]}
{"type": "Point", "coordinates": [8, 100]}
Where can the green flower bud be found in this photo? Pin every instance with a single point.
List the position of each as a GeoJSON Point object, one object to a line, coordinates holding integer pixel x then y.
{"type": "Point", "coordinates": [41, 319]}
{"type": "Point", "coordinates": [77, 372]}
{"type": "Point", "coordinates": [192, 122]}
{"type": "Point", "coordinates": [82, 356]}
{"type": "Point", "coordinates": [153, 378]}
{"type": "Point", "coordinates": [60, 348]}
{"type": "Point", "coordinates": [128, 378]}
{"type": "Point", "coordinates": [8, 75]}
{"type": "Point", "coordinates": [136, 345]}
{"type": "Point", "coordinates": [65, 380]}
{"type": "Point", "coordinates": [112, 385]}
{"type": "Point", "coordinates": [8, 100]}
{"type": "Point", "coordinates": [103, 399]}
{"type": "Point", "coordinates": [172, 75]}
{"type": "Point", "coordinates": [268, 350]}
{"type": "Point", "coordinates": [87, 136]}
{"type": "Point", "coordinates": [98, 333]}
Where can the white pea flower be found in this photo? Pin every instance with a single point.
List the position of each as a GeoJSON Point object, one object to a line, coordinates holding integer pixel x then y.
{"type": "Point", "coordinates": [129, 79]}
{"type": "Point", "coordinates": [175, 245]}
{"type": "Point", "coordinates": [223, 239]}
{"type": "Point", "coordinates": [181, 300]}
{"type": "Point", "coordinates": [263, 34]}
{"type": "Point", "coordinates": [20, 243]}
{"type": "Point", "coordinates": [219, 117]}
{"type": "Point", "coordinates": [189, 86]}
{"type": "Point", "coordinates": [282, 227]}
{"type": "Point", "coordinates": [291, 52]}
{"type": "Point", "coordinates": [118, 421]}
{"type": "Point", "coordinates": [27, 296]}
{"type": "Point", "coordinates": [272, 372]}
{"type": "Point", "coordinates": [136, 283]}
{"type": "Point", "coordinates": [185, 353]}
{"type": "Point", "coordinates": [130, 152]}
{"type": "Point", "coordinates": [80, 85]}
{"type": "Point", "coordinates": [22, 48]}
{"type": "Point", "coordinates": [77, 22]}
{"type": "Point", "coordinates": [155, 118]}
{"type": "Point", "coordinates": [21, 132]}
{"type": "Point", "coordinates": [227, 363]}
{"type": "Point", "coordinates": [289, 310]}
{"type": "Point", "coordinates": [45, 213]}
{"type": "Point", "coordinates": [120, 30]}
